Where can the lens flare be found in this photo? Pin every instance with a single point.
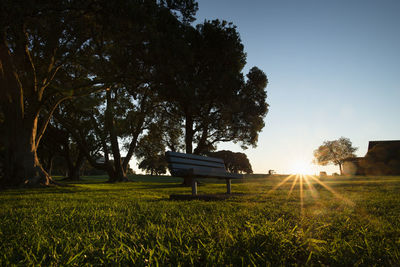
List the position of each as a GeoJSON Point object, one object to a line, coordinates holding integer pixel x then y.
{"type": "Point", "coordinates": [301, 167]}
{"type": "Point", "coordinates": [293, 184]}
{"type": "Point", "coordinates": [306, 185]}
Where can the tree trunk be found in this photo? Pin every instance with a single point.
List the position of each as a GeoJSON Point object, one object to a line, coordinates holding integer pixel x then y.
{"type": "Point", "coordinates": [202, 144]}
{"type": "Point", "coordinates": [48, 166]}
{"type": "Point", "coordinates": [70, 165]}
{"type": "Point", "coordinates": [340, 167]}
{"type": "Point", "coordinates": [74, 169]}
{"type": "Point", "coordinates": [116, 176]}
{"type": "Point", "coordinates": [22, 166]}
{"type": "Point", "coordinates": [74, 174]}
{"type": "Point", "coordinates": [118, 173]}
{"type": "Point", "coordinates": [188, 143]}
{"type": "Point", "coordinates": [189, 134]}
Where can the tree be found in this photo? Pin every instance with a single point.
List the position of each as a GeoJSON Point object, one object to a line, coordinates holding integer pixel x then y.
{"type": "Point", "coordinates": [235, 162]}
{"type": "Point", "coordinates": [125, 63]}
{"type": "Point", "coordinates": [46, 53]}
{"type": "Point", "coordinates": [205, 84]}
{"type": "Point", "coordinates": [334, 152]}
{"type": "Point", "coordinates": [38, 42]}
{"type": "Point", "coordinates": [150, 151]}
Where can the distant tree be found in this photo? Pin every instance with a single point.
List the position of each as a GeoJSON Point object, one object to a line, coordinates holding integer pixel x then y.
{"type": "Point", "coordinates": [234, 162]}
{"type": "Point", "coordinates": [334, 152]}
{"type": "Point", "coordinates": [154, 165]}
{"type": "Point", "coordinates": [150, 151]}
{"type": "Point", "coordinates": [57, 143]}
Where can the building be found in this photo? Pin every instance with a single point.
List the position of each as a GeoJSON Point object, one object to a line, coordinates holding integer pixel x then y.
{"type": "Point", "coordinates": [353, 166]}
{"type": "Point", "coordinates": [382, 158]}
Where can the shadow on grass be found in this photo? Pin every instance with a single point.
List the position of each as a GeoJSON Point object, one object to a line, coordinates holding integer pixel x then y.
{"type": "Point", "coordinates": [206, 197]}
{"type": "Point", "coordinates": [35, 191]}
{"type": "Point", "coordinates": [160, 186]}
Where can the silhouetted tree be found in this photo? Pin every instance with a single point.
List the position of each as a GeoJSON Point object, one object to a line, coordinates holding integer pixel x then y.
{"type": "Point", "coordinates": [47, 50]}
{"type": "Point", "coordinates": [235, 162]}
{"type": "Point", "coordinates": [334, 152]}
{"type": "Point", "coordinates": [150, 151]}
{"type": "Point", "coordinates": [204, 82]}
{"type": "Point", "coordinates": [38, 42]}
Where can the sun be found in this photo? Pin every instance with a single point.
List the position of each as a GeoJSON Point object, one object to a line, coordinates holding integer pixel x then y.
{"type": "Point", "coordinates": [301, 167]}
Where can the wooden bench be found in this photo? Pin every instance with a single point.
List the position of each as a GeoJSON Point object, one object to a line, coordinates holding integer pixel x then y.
{"type": "Point", "coordinates": [195, 166]}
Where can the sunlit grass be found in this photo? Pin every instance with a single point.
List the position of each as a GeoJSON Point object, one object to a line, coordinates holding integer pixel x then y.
{"type": "Point", "coordinates": [277, 220]}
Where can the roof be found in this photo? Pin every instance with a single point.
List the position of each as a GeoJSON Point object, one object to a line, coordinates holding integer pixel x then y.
{"type": "Point", "coordinates": [391, 143]}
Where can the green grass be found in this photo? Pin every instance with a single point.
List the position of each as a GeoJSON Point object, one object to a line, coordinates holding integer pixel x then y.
{"type": "Point", "coordinates": [357, 222]}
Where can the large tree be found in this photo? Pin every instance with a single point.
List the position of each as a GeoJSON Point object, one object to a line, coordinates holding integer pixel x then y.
{"type": "Point", "coordinates": [205, 84]}
{"type": "Point", "coordinates": [46, 50]}
{"type": "Point", "coordinates": [38, 41]}
{"type": "Point", "coordinates": [125, 63]}
{"type": "Point", "coordinates": [334, 152]}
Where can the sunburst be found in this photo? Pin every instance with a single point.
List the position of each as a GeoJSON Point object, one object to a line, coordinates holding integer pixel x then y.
{"type": "Point", "coordinates": [304, 181]}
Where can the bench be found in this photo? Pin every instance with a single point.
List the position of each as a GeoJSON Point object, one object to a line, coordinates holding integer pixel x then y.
{"type": "Point", "coordinates": [195, 166]}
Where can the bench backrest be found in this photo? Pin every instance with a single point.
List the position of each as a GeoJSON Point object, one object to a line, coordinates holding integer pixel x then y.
{"type": "Point", "coordinates": [180, 163]}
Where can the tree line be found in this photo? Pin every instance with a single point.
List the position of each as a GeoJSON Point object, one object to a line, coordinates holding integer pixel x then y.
{"type": "Point", "coordinates": [104, 81]}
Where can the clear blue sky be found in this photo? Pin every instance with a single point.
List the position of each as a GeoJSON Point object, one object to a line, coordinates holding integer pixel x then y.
{"type": "Point", "coordinates": [333, 70]}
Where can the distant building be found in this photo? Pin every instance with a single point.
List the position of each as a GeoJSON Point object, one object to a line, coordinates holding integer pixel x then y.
{"type": "Point", "coordinates": [352, 166]}
{"type": "Point", "coordinates": [382, 158]}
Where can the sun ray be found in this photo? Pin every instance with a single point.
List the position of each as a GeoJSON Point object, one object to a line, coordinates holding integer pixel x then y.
{"type": "Point", "coordinates": [301, 196]}
{"type": "Point", "coordinates": [281, 183]}
{"type": "Point", "coordinates": [293, 184]}
{"type": "Point", "coordinates": [336, 194]}
{"type": "Point", "coordinates": [314, 192]}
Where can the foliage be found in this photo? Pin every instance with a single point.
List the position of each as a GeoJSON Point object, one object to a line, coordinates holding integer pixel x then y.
{"type": "Point", "coordinates": [150, 151]}
{"type": "Point", "coordinates": [96, 223]}
{"type": "Point", "coordinates": [334, 152]}
{"type": "Point", "coordinates": [155, 164]}
{"type": "Point", "coordinates": [203, 80]}
{"type": "Point", "coordinates": [235, 162]}
{"type": "Point", "coordinates": [51, 51]}
{"type": "Point", "coordinates": [39, 41]}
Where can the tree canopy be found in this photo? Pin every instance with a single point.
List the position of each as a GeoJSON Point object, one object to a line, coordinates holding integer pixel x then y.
{"type": "Point", "coordinates": [235, 162]}
{"type": "Point", "coordinates": [51, 51]}
{"type": "Point", "coordinates": [207, 91]}
{"type": "Point", "coordinates": [334, 152]}
{"type": "Point", "coordinates": [111, 79]}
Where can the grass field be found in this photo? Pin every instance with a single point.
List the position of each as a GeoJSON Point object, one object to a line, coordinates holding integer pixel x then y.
{"type": "Point", "coordinates": [342, 221]}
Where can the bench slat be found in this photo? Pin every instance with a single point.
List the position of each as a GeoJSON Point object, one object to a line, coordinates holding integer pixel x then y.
{"type": "Point", "coordinates": [204, 174]}
{"type": "Point", "coordinates": [225, 175]}
{"type": "Point", "coordinates": [172, 154]}
{"type": "Point", "coordinates": [196, 168]}
{"type": "Point", "coordinates": [192, 162]}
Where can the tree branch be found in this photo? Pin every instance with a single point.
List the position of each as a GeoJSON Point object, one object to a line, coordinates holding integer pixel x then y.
{"type": "Point", "coordinates": [29, 56]}
{"type": "Point", "coordinates": [49, 115]}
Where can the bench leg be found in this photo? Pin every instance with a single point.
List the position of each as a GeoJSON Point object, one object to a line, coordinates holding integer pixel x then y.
{"type": "Point", "coordinates": [228, 186]}
{"type": "Point", "coordinates": [194, 187]}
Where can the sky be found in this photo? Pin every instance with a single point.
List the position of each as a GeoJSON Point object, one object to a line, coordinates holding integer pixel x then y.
{"type": "Point", "coordinates": [333, 69]}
